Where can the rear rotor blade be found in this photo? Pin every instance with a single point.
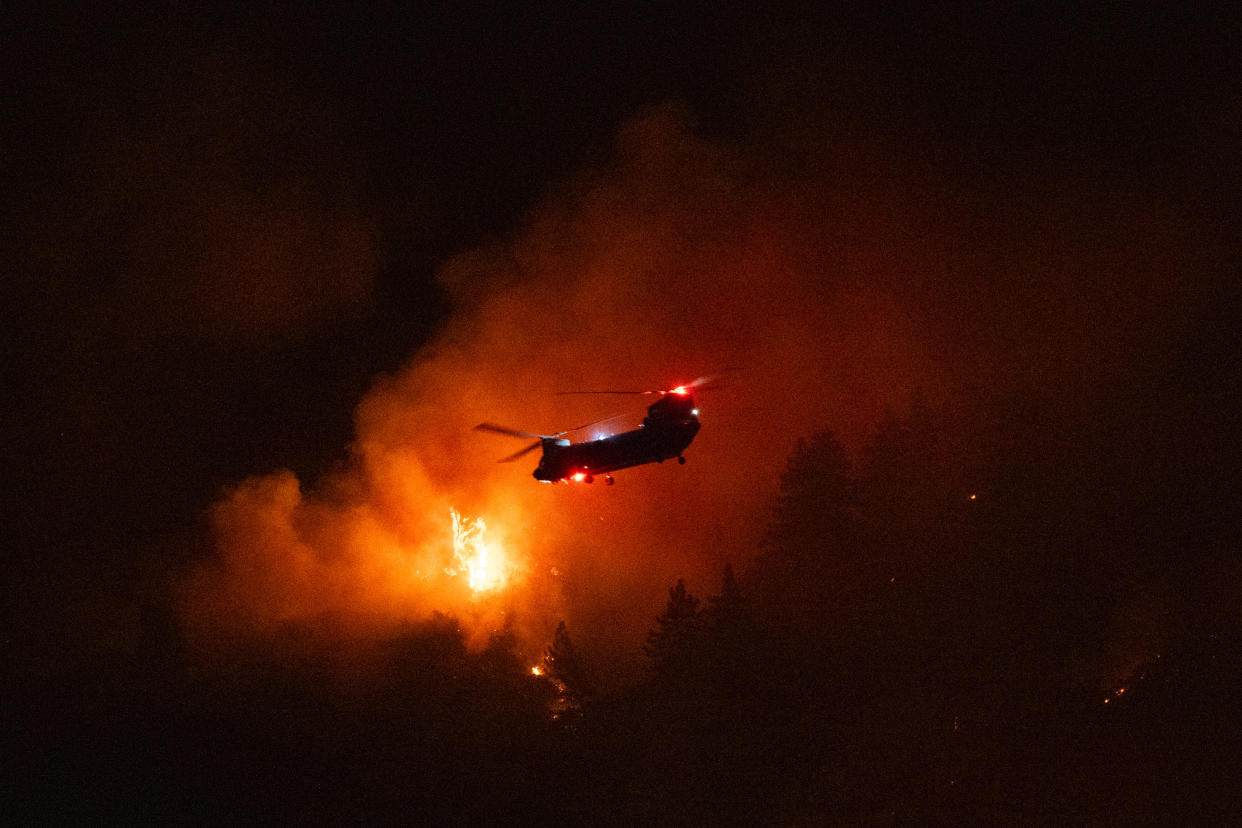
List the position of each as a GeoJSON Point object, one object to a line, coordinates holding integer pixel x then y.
{"type": "Point", "coordinates": [521, 453]}
{"type": "Point", "coordinates": [705, 383]}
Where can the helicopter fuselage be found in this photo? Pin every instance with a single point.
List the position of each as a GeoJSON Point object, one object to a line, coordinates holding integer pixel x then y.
{"type": "Point", "coordinates": [669, 427]}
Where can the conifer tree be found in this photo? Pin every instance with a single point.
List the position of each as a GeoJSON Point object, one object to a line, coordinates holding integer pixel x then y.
{"type": "Point", "coordinates": [734, 643]}
{"type": "Point", "coordinates": [671, 646]}
{"type": "Point", "coordinates": [810, 566]}
{"type": "Point", "coordinates": [563, 663]}
{"type": "Point", "coordinates": [727, 612]}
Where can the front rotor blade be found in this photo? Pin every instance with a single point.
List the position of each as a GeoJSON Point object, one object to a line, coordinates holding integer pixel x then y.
{"type": "Point", "coordinates": [698, 383]}
{"type": "Point", "coordinates": [564, 393]}
{"type": "Point", "coordinates": [498, 429]}
{"type": "Point", "coordinates": [521, 453]}
{"type": "Point", "coordinates": [588, 425]}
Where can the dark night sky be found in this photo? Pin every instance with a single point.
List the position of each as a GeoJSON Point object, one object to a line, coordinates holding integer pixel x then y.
{"type": "Point", "coordinates": [350, 152]}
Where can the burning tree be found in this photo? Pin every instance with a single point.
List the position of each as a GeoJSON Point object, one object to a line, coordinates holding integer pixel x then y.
{"type": "Point", "coordinates": [473, 554]}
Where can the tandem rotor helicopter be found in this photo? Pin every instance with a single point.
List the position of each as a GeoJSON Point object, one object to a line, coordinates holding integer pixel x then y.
{"type": "Point", "coordinates": [666, 431]}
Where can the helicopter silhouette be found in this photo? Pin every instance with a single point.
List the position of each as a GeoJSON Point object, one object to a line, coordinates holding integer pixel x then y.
{"type": "Point", "coordinates": [669, 427]}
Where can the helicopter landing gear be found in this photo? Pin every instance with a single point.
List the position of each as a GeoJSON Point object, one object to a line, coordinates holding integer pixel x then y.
{"type": "Point", "coordinates": [681, 461]}
{"type": "Point", "coordinates": [608, 479]}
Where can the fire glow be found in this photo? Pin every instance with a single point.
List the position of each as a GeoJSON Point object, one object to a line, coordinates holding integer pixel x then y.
{"type": "Point", "coordinates": [367, 547]}
{"type": "Point", "coordinates": [481, 561]}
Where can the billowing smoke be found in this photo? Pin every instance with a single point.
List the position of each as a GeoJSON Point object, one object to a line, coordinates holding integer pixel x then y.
{"type": "Point", "coordinates": [833, 293]}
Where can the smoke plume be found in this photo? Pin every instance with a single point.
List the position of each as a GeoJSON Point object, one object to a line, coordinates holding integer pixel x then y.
{"type": "Point", "coordinates": [838, 283]}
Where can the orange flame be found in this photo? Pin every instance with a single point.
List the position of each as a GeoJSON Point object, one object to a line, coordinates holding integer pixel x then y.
{"type": "Point", "coordinates": [483, 563]}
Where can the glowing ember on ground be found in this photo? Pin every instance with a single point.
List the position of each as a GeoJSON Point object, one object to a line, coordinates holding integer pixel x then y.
{"type": "Point", "coordinates": [483, 564]}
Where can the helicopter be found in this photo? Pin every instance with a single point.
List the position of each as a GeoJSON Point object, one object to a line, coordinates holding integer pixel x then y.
{"type": "Point", "coordinates": [666, 431]}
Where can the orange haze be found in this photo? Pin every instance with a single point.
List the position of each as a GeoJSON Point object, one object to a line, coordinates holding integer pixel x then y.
{"type": "Point", "coordinates": [677, 257]}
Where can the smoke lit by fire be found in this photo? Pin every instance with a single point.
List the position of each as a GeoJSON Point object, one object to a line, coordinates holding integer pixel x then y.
{"type": "Point", "coordinates": [678, 257]}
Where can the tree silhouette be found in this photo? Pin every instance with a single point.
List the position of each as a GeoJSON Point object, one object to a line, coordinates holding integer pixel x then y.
{"type": "Point", "coordinates": [809, 566]}
{"type": "Point", "coordinates": [736, 652]}
{"type": "Point", "coordinates": [673, 645]}
{"type": "Point", "coordinates": [818, 496]}
{"type": "Point", "coordinates": [734, 643]}
{"type": "Point", "coordinates": [564, 664]}
{"type": "Point", "coordinates": [727, 608]}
